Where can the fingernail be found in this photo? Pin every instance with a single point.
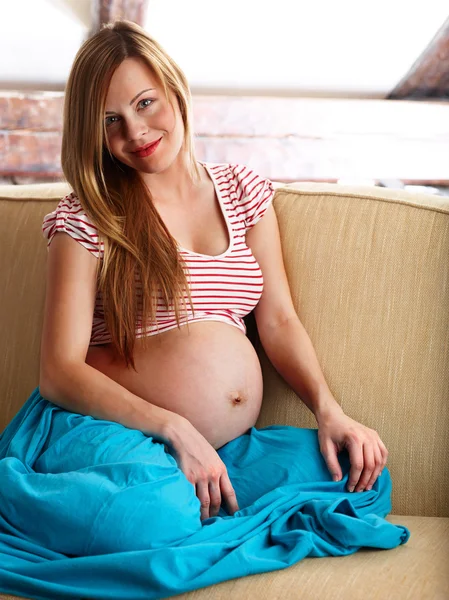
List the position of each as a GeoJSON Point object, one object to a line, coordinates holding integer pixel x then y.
{"type": "Point", "coordinates": [368, 488]}
{"type": "Point", "coordinates": [351, 488]}
{"type": "Point", "coordinates": [336, 478]}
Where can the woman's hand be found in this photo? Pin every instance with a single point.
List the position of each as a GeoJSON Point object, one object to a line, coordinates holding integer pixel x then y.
{"type": "Point", "coordinates": [202, 466]}
{"type": "Point", "coordinates": [367, 453]}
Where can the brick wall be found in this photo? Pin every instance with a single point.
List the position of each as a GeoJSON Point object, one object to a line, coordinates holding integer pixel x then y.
{"type": "Point", "coordinates": [286, 139]}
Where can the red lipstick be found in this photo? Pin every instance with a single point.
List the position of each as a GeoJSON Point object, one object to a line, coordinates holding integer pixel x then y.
{"type": "Point", "coordinates": [147, 150]}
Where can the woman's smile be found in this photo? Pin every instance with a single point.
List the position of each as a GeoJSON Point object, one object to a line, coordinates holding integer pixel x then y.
{"type": "Point", "coordinates": [148, 149]}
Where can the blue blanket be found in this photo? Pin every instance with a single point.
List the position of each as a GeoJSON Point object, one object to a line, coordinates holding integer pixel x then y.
{"type": "Point", "coordinates": [92, 509]}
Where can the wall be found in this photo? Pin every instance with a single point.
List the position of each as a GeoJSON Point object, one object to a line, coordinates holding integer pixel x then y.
{"type": "Point", "coordinates": [322, 48]}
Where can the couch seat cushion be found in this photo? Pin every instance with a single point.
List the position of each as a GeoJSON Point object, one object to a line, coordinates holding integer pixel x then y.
{"type": "Point", "coordinates": [419, 570]}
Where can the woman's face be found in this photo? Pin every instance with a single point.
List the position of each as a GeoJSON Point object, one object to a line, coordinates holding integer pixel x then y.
{"type": "Point", "coordinates": [137, 114]}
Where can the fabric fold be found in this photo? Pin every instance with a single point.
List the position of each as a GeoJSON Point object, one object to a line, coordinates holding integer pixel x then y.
{"type": "Point", "coordinates": [90, 508]}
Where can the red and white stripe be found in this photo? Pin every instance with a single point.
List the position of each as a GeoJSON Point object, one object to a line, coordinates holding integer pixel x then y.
{"type": "Point", "coordinates": [225, 287]}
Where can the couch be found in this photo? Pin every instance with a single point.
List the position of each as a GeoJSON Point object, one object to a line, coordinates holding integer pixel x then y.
{"type": "Point", "coordinates": [369, 274]}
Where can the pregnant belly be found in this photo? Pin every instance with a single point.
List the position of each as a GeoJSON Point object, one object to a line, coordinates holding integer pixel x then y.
{"type": "Point", "coordinates": [209, 374]}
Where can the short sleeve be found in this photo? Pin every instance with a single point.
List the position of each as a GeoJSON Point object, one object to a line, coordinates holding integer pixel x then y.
{"type": "Point", "coordinates": [69, 217]}
{"type": "Point", "coordinates": [254, 194]}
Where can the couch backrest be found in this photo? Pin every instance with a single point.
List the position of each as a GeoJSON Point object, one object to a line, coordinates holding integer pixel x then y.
{"type": "Point", "coordinates": [369, 275]}
{"type": "Point", "coordinates": [22, 289]}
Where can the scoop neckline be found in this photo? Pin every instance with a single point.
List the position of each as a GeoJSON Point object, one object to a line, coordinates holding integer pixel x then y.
{"type": "Point", "coordinates": [225, 215]}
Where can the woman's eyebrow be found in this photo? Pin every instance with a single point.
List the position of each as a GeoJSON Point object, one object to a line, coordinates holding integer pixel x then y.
{"type": "Point", "coordinates": [135, 98]}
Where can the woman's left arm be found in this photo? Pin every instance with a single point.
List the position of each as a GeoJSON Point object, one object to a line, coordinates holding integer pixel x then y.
{"type": "Point", "coordinates": [290, 350]}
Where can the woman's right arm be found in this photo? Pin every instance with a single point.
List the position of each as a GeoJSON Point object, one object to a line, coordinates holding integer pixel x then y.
{"type": "Point", "coordinates": [65, 378]}
{"type": "Point", "coordinates": [69, 382]}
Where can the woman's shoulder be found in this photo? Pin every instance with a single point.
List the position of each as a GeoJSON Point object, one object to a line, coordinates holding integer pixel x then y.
{"type": "Point", "coordinates": [239, 173]}
{"type": "Point", "coordinates": [250, 192]}
{"type": "Point", "coordinates": [69, 205]}
{"type": "Point", "coordinates": [70, 217]}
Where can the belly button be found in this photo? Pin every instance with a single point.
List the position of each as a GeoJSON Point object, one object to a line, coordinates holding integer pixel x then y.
{"type": "Point", "coordinates": [238, 400]}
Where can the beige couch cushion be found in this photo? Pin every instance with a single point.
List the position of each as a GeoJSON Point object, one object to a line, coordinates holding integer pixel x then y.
{"type": "Point", "coordinates": [416, 571]}
{"type": "Point", "coordinates": [369, 275]}
{"type": "Point", "coordinates": [22, 289]}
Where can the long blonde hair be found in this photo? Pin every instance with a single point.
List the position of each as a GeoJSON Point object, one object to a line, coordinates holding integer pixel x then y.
{"type": "Point", "coordinates": [137, 244]}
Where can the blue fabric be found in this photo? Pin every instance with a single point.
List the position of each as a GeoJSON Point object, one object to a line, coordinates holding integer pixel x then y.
{"type": "Point", "coordinates": [90, 508]}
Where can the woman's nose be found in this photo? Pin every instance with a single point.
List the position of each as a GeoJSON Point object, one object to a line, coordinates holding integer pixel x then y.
{"type": "Point", "coordinates": [135, 129]}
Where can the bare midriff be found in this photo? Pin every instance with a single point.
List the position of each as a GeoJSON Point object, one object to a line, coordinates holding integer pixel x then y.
{"type": "Point", "coordinates": [209, 373]}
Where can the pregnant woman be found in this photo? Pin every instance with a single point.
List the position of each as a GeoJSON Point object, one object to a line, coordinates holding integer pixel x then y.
{"type": "Point", "coordinates": [135, 469]}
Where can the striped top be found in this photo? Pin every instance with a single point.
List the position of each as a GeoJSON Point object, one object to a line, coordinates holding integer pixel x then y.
{"type": "Point", "coordinates": [225, 287]}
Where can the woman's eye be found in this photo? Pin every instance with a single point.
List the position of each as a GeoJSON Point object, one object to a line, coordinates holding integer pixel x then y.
{"type": "Point", "coordinates": [145, 103]}
{"type": "Point", "coordinates": [145, 100]}
{"type": "Point", "coordinates": [109, 121]}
